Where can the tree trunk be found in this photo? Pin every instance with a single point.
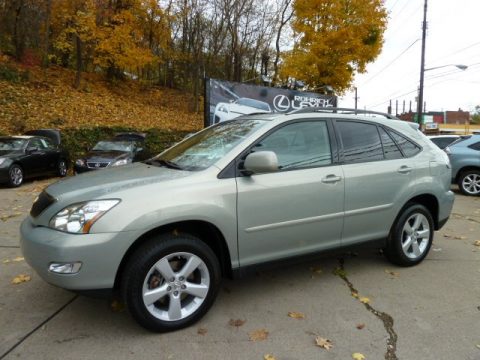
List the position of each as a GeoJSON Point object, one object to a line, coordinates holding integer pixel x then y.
{"type": "Point", "coordinates": [78, 43]}
{"type": "Point", "coordinates": [46, 61]}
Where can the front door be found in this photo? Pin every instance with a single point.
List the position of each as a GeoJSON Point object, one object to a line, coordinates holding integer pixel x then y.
{"type": "Point", "coordinates": [298, 209]}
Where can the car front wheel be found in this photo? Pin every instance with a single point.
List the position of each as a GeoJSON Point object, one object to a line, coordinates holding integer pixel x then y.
{"type": "Point", "coordinates": [469, 182]}
{"type": "Point", "coordinates": [15, 176]}
{"type": "Point", "coordinates": [62, 168]}
{"type": "Point", "coordinates": [170, 282]}
{"type": "Point", "coordinates": [411, 236]}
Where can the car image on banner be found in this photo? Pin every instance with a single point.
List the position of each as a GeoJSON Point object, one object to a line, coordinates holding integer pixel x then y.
{"type": "Point", "coordinates": [241, 106]}
{"type": "Point", "coordinates": [226, 100]}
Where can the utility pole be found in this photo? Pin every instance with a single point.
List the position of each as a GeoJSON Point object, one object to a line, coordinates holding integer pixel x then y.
{"type": "Point", "coordinates": [422, 66]}
{"type": "Point", "coordinates": [356, 98]}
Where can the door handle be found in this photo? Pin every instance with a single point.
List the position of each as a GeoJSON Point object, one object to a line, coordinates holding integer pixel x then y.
{"type": "Point", "coordinates": [331, 179]}
{"type": "Point", "coordinates": [404, 169]}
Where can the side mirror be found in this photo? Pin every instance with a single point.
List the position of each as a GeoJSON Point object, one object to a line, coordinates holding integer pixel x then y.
{"type": "Point", "coordinates": [261, 162]}
{"type": "Point", "coordinates": [31, 150]}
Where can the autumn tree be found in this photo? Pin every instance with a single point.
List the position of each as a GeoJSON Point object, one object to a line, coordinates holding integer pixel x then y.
{"type": "Point", "coordinates": [334, 39]}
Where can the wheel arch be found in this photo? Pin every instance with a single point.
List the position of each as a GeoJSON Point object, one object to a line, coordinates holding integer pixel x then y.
{"type": "Point", "coordinates": [465, 169]}
{"type": "Point", "coordinates": [429, 201]}
{"type": "Point", "coordinates": [205, 231]}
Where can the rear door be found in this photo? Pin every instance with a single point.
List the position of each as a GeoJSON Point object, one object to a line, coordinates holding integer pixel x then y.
{"type": "Point", "coordinates": [378, 179]}
{"type": "Point", "coordinates": [298, 209]}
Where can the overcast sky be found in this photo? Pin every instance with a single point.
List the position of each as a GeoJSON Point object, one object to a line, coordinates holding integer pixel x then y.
{"type": "Point", "coordinates": [452, 38]}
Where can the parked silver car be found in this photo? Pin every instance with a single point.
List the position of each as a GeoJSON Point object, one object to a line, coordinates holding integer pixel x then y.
{"type": "Point", "coordinates": [261, 189]}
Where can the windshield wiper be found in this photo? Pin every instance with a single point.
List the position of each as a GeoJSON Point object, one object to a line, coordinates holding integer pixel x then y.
{"type": "Point", "coordinates": [163, 162]}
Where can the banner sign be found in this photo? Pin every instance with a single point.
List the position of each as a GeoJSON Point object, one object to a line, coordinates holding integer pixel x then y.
{"type": "Point", "coordinates": [225, 100]}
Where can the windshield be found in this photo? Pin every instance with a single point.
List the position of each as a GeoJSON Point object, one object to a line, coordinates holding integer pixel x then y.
{"type": "Point", "coordinates": [113, 146]}
{"type": "Point", "coordinates": [207, 147]}
{"type": "Point", "coordinates": [11, 144]}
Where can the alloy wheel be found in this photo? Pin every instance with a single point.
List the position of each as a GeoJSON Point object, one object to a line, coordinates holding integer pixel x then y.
{"type": "Point", "coordinates": [16, 176]}
{"type": "Point", "coordinates": [415, 235]}
{"type": "Point", "coordinates": [471, 184]}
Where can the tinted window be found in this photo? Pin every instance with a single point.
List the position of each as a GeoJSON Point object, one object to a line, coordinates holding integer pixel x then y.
{"type": "Point", "coordinates": [475, 146]}
{"type": "Point", "coordinates": [443, 142]}
{"type": "Point", "coordinates": [390, 149]}
{"type": "Point", "coordinates": [361, 141]}
{"type": "Point", "coordinates": [299, 145]}
{"type": "Point", "coordinates": [408, 147]}
{"type": "Point", "coordinates": [37, 143]}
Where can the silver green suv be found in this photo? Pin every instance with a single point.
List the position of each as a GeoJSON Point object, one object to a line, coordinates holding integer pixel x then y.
{"type": "Point", "coordinates": [261, 189]}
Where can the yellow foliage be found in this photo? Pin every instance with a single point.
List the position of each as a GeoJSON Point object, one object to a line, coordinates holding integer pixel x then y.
{"type": "Point", "coordinates": [335, 39]}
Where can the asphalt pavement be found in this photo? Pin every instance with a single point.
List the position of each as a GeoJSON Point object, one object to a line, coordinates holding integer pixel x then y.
{"type": "Point", "coordinates": [359, 302]}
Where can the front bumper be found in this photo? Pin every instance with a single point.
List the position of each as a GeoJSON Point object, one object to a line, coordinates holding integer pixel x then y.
{"type": "Point", "coordinates": [82, 169]}
{"type": "Point", "coordinates": [100, 255]}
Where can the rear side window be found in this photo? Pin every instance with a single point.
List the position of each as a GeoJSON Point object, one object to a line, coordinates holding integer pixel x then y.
{"type": "Point", "coordinates": [408, 147]}
{"type": "Point", "coordinates": [475, 146]}
{"type": "Point", "coordinates": [390, 149]}
{"type": "Point", "coordinates": [361, 141]}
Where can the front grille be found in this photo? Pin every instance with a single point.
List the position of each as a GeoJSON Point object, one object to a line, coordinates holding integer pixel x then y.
{"type": "Point", "coordinates": [97, 165]}
{"type": "Point", "coordinates": [43, 201]}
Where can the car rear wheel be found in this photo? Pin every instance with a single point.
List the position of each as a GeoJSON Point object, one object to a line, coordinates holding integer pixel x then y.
{"type": "Point", "coordinates": [469, 182]}
{"type": "Point", "coordinates": [411, 236]}
{"type": "Point", "coordinates": [170, 282]}
{"type": "Point", "coordinates": [15, 176]}
{"type": "Point", "coordinates": [62, 168]}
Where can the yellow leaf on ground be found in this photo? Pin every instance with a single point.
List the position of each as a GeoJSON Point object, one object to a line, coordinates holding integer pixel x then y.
{"type": "Point", "coordinates": [477, 243]}
{"type": "Point", "coordinates": [323, 343]}
{"type": "Point", "coordinates": [117, 306]}
{"type": "Point", "coordinates": [6, 261]}
{"type": "Point", "coordinates": [236, 322]}
{"type": "Point", "coordinates": [358, 356]}
{"type": "Point", "coordinates": [201, 331]}
{"type": "Point", "coordinates": [355, 294]}
{"type": "Point", "coordinates": [18, 259]}
{"type": "Point", "coordinates": [389, 272]}
{"type": "Point", "coordinates": [258, 335]}
{"type": "Point", "coordinates": [21, 279]}
{"type": "Point", "coordinates": [269, 357]}
{"type": "Point", "coordinates": [296, 315]}
{"type": "Point", "coordinates": [364, 300]}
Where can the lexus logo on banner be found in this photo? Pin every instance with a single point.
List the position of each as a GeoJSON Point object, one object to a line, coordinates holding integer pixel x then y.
{"type": "Point", "coordinates": [225, 100]}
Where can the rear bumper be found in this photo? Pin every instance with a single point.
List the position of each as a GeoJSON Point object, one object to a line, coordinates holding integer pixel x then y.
{"type": "Point", "coordinates": [445, 208]}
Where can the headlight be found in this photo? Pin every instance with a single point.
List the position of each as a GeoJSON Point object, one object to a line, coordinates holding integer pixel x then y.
{"type": "Point", "coordinates": [223, 108]}
{"type": "Point", "coordinates": [80, 162]}
{"type": "Point", "coordinates": [2, 160]}
{"type": "Point", "coordinates": [79, 218]}
{"type": "Point", "coordinates": [120, 162]}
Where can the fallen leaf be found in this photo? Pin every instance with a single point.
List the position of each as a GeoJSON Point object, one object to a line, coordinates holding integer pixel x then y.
{"type": "Point", "coordinates": [393, 273]}
{"type": "Point", "coordinates": [460, 237]}
{"type": "Point", "coordinates": [323, 343]}
{"type": "Point", "coordinates": [258, 335]}
{"type": "Point", "coordinates": [237, 322]}
{"type": "Point", "coordinates": [296, 315]}
{"type": "Point", "coordinates": [117, 306]}
{"type": "Point", "coordinates": [6, 261]}
{"type": "Point", "coordinates": [21, 279]}
{"type": "Point", "coordinates": [477, 243]}
{"type": "Point", "coordinates": [201, 331]}
{"type": "Point", "coordinates": [315, 270]}
{"type": "Point", "coordinates": [358, 356]}
{"type": "Point", "coordinates": [360, 326]}
{"type": "Point", "coordinates": [447, 235]}
{"type": "Point", "coordinates": [355, 294]}
{"type": "Point", "coordinates": [364, 300]}
{"type": "Point", "coordinates": [340, 272]}
{"type": "Point", "coordinates": [18, 259]}
{"type": "Point", "coordinates": [269, 357]}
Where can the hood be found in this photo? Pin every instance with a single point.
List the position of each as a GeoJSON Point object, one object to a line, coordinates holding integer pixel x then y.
{"type": "Point", "coordinates": [97, 184]}
{"type": "Point", "coordinates": [10, 153]}
{"type": "Point", "coordinates": [106, 156]}
{"type": "Point", "coordinates": [244, 110]}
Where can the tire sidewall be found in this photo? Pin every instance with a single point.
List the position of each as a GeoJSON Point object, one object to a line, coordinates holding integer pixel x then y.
{"type": "Point", "coordinates": [460, 182]}
{"type": "Point", "coordinates": [394, 247]}
{"type": "Point", "coordinates": [59, 168]}
{"type": "Point", "coordinates": [142, 261]}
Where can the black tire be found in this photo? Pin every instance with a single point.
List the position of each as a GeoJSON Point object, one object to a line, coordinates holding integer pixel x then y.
{"type": "Point", "coordinates": [141, 276]}
{"type": "Point", "coordinates": [469, 182]}
{"type": "Point", "coordinates": [408, 245]}
{"type": "Point", "coordinates": [62, 168]}
{"type": "Point", "coordinates": [15, 176]}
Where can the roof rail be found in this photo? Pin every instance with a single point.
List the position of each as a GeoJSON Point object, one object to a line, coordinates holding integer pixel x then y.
{"type": "Point", "coordinates": [341, 111]}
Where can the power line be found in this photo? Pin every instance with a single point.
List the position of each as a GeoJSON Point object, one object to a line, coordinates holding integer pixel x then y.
{"type": "Point", "coordinates": [390, 63]}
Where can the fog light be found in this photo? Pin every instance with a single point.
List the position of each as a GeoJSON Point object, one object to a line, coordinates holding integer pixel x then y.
{"type": "Point", "coordinates": [65, 268]}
